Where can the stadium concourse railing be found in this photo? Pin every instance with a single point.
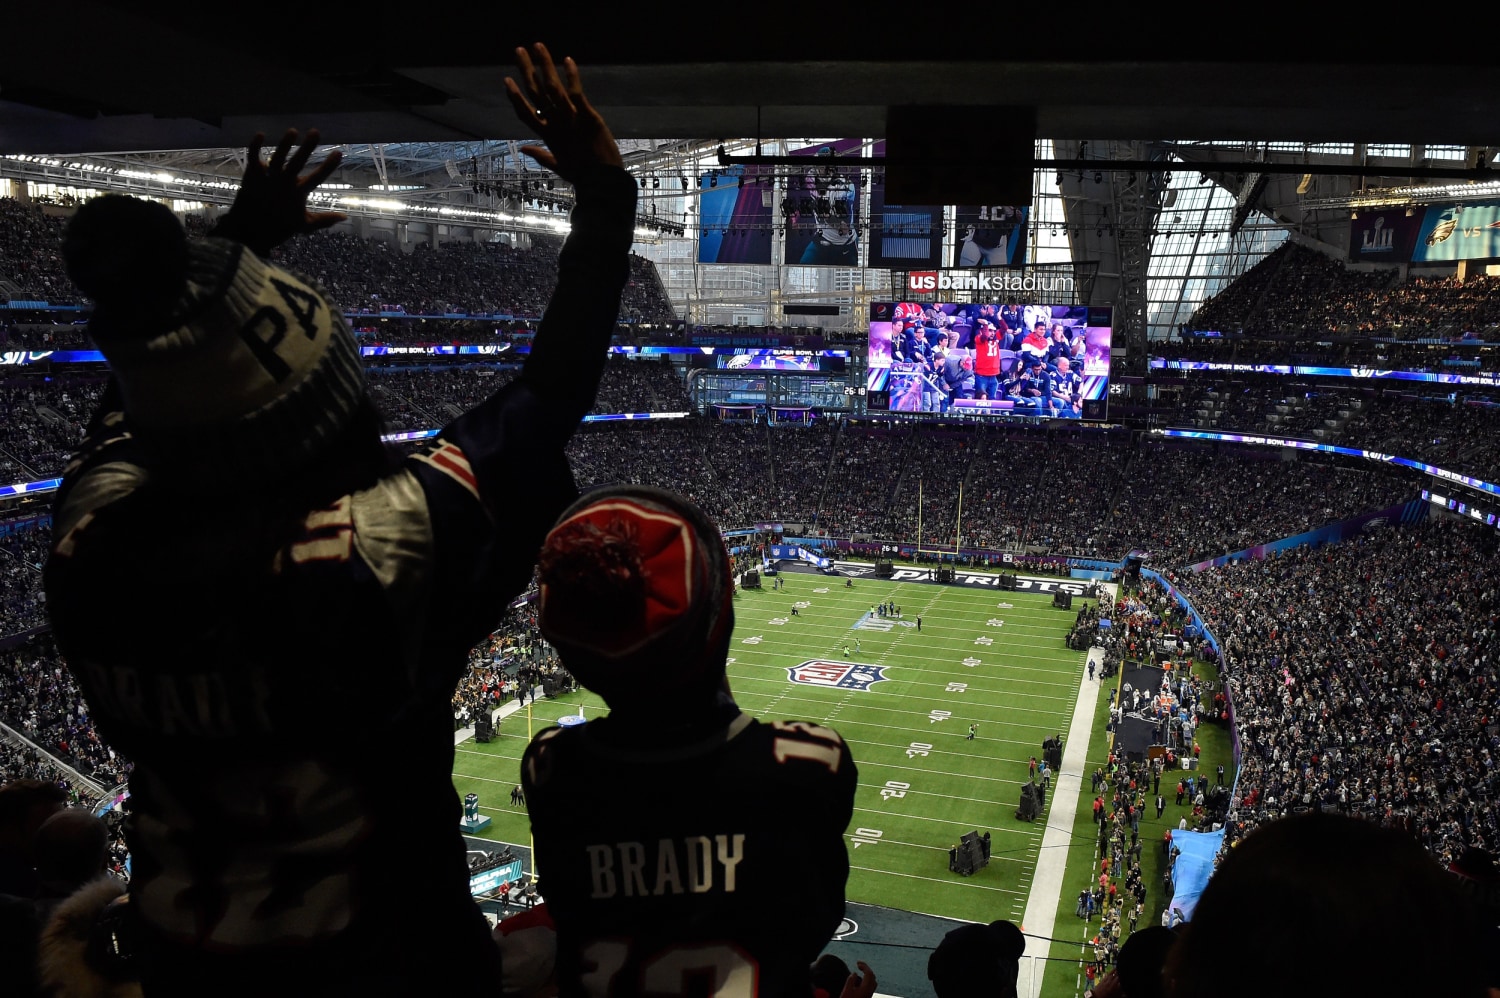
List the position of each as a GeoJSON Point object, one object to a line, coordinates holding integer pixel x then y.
{"type": "Point", "coordinates": [1380, 457]}
{"type": "Point", "coordinates": [17, 739]}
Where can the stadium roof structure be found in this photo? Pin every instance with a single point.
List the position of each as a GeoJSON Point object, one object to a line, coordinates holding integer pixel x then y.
{"type": "Point", "coordinates": [94, 76]}
{"type": "Point", "coordinates": [413, 93]}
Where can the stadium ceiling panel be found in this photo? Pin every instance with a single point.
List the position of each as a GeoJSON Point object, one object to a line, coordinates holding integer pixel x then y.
{"type": "Point", "coordinates": [107, 77]}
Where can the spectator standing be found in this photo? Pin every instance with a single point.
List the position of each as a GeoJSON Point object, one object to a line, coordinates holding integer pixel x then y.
{"type": "Point", "coordinates": [650, 848]}
{"type": "Point", "coordinates": [233, 541]}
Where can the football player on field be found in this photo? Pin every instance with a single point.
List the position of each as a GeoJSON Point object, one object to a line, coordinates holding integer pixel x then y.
{"type": "Point", "coordinates": [683, 846]}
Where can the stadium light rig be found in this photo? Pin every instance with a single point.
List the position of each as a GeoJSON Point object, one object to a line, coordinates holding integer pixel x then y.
{"type": "Point", "coordinates": [1401, 197]}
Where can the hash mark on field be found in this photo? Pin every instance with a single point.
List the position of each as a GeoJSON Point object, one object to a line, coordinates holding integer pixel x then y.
{"type": "Point", "coordinates": [787, 689]}
{"type": "Point", "coordinates": [836, 707]}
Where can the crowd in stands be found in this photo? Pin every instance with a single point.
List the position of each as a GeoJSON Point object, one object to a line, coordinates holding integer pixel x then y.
{"type": "Point", "coordinates": [800, 457]}
{"type": "Point", "coordinates": [373, 275]}
{"type": "Point", "coordinates": [39, 698]}
{"type": "Point", "coordinates": [22, 552]}
{"type": "Point", "coordinates": [1456, 436]}
{"type": "Point", "coordinates": [1299, 292]}
{"type": "Point", "coordinates": [1091, 494]}
{"type": "Point", "coordinates": [1365, 678]}
{"type": "Point", "coordinates": [650, 454]}
{"type": "Point", "coordinates": [739, 456]}
{"type": "Point", "coordinates": [1077, 488]}
{"type": "Point", "coordinates": [20, 761]}
{"type": "Point", "coordinates": [31, 252]}
{"type": "Point", "coordinates": [1455, 433]}
{"type": "Point", "coordinates": [641, 386]}
{"type": "Point", "coordinates": [927, 476]}
{"type": "Point", "coordinates": [644, 298]}
{"type": "Point", "coordinates": [41, 422]}
{"type": "Point", "coordinates": [857, 489]}
{"type": "Point", "coordinates": [1188, 503]}
{"type": "Point", "coordinates": [361, 275]}
{"type": "Point", "coordinates": [34, 332]}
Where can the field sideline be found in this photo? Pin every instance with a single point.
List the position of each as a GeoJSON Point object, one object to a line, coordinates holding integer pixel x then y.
{"type": "Point", "coordinates": [983, 657]}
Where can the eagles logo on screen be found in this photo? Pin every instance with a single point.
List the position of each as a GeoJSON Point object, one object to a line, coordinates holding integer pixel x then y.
{"type": "Point", "coordinates": [1444, 227]}
{"type": "Point", "coordinates": [839, 675]}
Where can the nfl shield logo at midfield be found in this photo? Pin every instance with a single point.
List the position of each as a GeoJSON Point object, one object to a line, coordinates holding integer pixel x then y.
{"type": "Point", "coordinates": [842, 675]}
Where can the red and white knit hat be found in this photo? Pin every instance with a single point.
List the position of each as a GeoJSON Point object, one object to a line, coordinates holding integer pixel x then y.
{"type": "Point", "coordinates": [637, 596]}
{"type": "Point", "coordinates": [224, 360]}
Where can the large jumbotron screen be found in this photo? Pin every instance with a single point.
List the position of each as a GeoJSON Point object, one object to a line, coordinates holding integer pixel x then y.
{"type": "Point", "coordinates": [1020, 359]}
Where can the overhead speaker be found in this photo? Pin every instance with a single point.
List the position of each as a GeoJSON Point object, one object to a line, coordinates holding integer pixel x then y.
{"type": "Point", "coordinates": [999, 150]}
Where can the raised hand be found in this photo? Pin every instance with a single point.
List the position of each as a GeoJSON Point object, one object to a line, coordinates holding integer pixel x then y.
{"type": "Point", "coordinates": [556, 109]}
{"type": "Point", "coordinates": [271, 205]}
{"type": "Point", "coordinates": [857, 986]}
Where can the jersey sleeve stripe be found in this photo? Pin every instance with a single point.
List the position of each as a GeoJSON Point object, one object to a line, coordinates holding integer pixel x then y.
{"type": "Point", "coordinates": [451, 461]}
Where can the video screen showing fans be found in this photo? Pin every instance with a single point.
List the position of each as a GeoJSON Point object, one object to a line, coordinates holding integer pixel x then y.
{"type": "Point", "coordinates": [1018, 359]}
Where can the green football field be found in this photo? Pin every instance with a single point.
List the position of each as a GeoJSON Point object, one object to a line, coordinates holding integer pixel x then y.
{"type": "Point", "coordinates": [983, 657]}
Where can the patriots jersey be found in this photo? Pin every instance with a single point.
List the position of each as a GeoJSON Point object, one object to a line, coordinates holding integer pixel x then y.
{"type": "Point", "coordinates": [717, 866]}
{"type": "Point", "coordinates": [282, 676]}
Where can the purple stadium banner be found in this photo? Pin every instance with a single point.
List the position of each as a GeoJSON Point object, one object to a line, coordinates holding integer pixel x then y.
{"type": "Point", "coordinates": [734, 209]}
{"type": "Point", "coordinates": [1383, 236]}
